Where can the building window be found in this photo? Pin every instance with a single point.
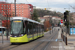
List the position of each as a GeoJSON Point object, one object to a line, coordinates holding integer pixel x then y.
{"type": "Point", "coordinates": [9, 8]}
{"type": "Point", "coordinates": [30, 8]}
{"type": "Point", "coordinates": [9, 15]}
{"type": "Point", "coordinates": [2, 5]}
{"type": "Point", "coordinates": [2, 10]}
{"type": "Point", "coordinates": [13, 8]}
{"type": "Point", "coordinates": [22, 13]}
{"type": "Point", "coordinates": [19, 6]}
{"type": "Point", "coordinates": [2, 13]}
{"type": "Point", "coordinates": [22, 10]}
{"type": "Point", "coordinates": [9, 5]}
{"type": "Point", "coordinates": [22, 6]}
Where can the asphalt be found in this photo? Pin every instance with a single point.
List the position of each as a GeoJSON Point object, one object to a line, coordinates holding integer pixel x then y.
{"type": "Point", "coordinates": [50, 41]}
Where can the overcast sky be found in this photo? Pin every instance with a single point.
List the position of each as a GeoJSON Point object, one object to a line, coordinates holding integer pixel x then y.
{"type": "Point", "coordinates": [53, 5]}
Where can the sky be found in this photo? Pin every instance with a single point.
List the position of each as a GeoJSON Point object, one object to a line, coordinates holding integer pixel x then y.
{"type": "Point", "coordinates": [52, 5]}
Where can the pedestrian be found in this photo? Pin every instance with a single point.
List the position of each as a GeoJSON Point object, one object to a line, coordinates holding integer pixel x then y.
{"type": "Point", "coordinates": [62, 31]}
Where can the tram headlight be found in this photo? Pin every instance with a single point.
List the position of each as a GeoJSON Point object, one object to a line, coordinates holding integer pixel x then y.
{"type": "Point", "coordinates": [11, 35]}
{"type": "Point", "coordinates": [21, 35]}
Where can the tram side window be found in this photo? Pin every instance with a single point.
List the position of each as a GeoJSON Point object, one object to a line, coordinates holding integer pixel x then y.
{"type": "Point", "coordinates": [38, 29]}
{"type": "Point", "coordinates": [42, 28]}
{"type": "Point", "coordinates": [35, 28]}
{"type": "Point", "coordinates": [24, 27]}
{"type": "Point", "coordinates": [30, 28]}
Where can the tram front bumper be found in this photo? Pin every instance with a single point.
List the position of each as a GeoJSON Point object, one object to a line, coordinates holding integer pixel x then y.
{"type": "Point", "coordinates": [18, 39]}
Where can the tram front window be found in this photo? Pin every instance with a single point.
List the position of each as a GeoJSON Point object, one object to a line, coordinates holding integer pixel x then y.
{"type": "Point", "coordinates": [16, 27]}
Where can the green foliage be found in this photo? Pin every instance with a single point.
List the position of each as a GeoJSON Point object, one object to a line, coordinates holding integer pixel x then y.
{"type": "Point", "coordinates": [35, 15]}
{"type": "Point", "coordinates": [42, 13]}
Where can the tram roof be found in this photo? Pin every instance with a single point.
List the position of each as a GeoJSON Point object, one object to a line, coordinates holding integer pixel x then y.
{"type": "Point", "coordinates": [23, 18]}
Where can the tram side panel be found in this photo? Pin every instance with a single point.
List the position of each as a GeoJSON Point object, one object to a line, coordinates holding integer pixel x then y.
{"type": "Point", "coordinates": [30, 34]}
{"type": "Point", "coordinates": [31, 31]}
{"type": "Point", "coordinates": [35, 30]}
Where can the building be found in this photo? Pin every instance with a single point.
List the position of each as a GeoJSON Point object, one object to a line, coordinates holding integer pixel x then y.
{"type": "Point", "coordinates": [8, 10]}
{"type": "Point", "coordinates": [46, 22]}
{"type": "Point", "coordinates": [23, 10]}
{"type": "Point", "coordinates": [31, 8]}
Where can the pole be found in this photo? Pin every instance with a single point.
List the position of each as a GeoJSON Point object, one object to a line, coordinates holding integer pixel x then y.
{"type": "Point", "coordinates": [69, 21]}
{"type": "Point", "coordinates": [15, 6]}
{"type": "Point", "coordinates": [2, 34]}
{"type": "Point", "coordinates": [7, 20]}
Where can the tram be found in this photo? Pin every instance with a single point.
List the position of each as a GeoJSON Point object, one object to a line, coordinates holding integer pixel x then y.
{"type": "Point", "coordinates": [25, 30]}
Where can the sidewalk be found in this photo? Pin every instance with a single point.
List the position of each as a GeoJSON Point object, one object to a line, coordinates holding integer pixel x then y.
{"type": "Point", "coordinates": [70, 42]}
{"type": "Point", "coordinates": [4, 38]}
{"type": "Point", "coordinates": [5, 41]}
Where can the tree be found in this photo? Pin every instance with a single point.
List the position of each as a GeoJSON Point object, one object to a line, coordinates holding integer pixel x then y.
{"type": "Point", "coordinates": [47, 24]}
{"type": "Point", "coordinates": [35, 15]}
{"type": "Point", "coordinates": [13, 14]}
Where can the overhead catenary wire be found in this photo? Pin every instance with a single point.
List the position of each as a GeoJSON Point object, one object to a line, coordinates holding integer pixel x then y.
{"type": "Point", "coordinates": [28, 1]}
{"type": "Point", "coordinates": [72, 7]}
{"type": "Point", "coordinates": [48, 3]}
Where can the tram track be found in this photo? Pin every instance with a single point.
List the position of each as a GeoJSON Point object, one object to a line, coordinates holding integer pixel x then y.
{"type": "Point", "coordinates": [10, 47]}
{"type": "Point", "coordinates": [45, 47]}
{"type": "Point", "coordinates": [43, 43]}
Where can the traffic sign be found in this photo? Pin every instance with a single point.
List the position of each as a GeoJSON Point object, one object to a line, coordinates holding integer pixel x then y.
{"type": "Point", "coordinates": [61, 21]}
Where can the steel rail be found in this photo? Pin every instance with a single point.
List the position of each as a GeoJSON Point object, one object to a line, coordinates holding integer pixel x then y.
{"type": "Point", "coordinates": [42, 42]}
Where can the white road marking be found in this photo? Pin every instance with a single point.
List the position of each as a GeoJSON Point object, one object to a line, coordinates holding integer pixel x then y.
{"type": "Point", "coordinates": [61, 47]}
{"type": "Point", "coordinates": [47, 32]}
{"type": "Point", "coordinates": [59, 34]}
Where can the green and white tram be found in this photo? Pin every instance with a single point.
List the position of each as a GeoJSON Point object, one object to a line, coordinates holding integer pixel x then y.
{"type": "Point", "coordinates": [25, 30]}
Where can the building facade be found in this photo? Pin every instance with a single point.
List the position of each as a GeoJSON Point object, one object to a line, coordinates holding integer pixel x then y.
{"type": "Point", "coordinates": [23, 10]}
{"type": "Point", "coordinates": [8, 10]}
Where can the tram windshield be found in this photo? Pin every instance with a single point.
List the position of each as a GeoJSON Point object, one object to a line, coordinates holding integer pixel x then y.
{"type": "Point", "coordinates": [16, 27]}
